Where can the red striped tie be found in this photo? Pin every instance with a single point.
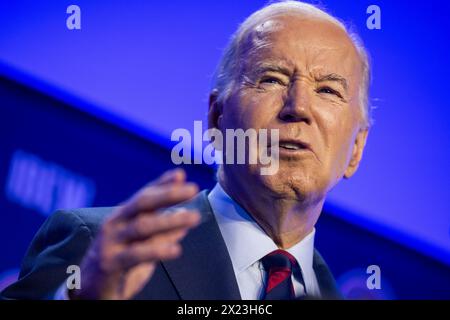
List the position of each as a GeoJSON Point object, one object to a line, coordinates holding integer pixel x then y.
{"type": "Point", "coordinates": [278, 265]}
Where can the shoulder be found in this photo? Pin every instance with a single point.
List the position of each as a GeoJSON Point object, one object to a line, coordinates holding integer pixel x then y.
{"type": "Point", "coordinates": [66, 222]}
{"type": "Point", "coordinates": [90, 218]}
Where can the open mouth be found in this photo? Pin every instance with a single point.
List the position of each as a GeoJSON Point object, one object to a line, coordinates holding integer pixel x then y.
{"type": "Point", "coordinates": [293, 145]}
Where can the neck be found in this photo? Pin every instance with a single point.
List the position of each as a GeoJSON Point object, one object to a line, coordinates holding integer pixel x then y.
{"type": "Point", "coordinates": [287, 221]}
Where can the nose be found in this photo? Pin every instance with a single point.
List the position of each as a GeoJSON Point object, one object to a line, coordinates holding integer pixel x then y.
{"type": "Point", "coordinates": [297, 104]}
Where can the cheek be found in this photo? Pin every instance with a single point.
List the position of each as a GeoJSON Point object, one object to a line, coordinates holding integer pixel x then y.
{"type": "Point", "coordinates": [250, 109]}
{"type": "Point", "coordinates": [336, 127]}
{"type": "Point", "coordinates": [342, 150]}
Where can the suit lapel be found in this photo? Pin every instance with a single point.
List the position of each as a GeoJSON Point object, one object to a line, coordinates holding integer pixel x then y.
{"type": "Point", "coordinates": [327, 284]}
{"type": "Point", "coordinates": [204, 271]}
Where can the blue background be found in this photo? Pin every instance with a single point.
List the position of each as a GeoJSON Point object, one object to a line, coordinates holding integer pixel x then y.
{"type": "Point", "coordinates": [143, 69]}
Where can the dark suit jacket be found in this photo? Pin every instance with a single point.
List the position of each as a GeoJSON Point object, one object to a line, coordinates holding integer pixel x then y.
{"type": "Point", "coordinates": [204, 271]}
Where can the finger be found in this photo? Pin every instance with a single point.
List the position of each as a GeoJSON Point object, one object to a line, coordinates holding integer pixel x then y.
{"type": "Point", "coordinates": [140, 253]}
{"type": "Point", "coordinates": [170, 237]}
{"type": "Point", "coordinates": [150, 250]}
{"type": "Point", "coordinates": [158, 197]}
{"type": "Point", "coordinates": [145, 225]}
{"type": "Point", "coordinates": [177, 175]}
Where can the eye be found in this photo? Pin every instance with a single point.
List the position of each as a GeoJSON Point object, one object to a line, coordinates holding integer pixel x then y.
{"type": "Point", "coordinates": [328, 90]}
{"type": "Point", "coordinates": [272, 80]}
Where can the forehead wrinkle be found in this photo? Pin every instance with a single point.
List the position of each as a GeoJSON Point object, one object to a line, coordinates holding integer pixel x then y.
{"type": "Point", "coordinates": [264, 37]}
{"type": "Point", "coordinates": [318, 66]}
{"type": "Point", "coordinates": [276, 65]}
{"type": "Point", "coordinates": [288, 67]}
{"type": "Point", "coordinates": [259, 42]}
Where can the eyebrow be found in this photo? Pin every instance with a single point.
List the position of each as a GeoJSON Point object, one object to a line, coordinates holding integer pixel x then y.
{"type": "Point", "coordinates": [333, 77]}
{"type": "Point", "coordinates": [272, 67]}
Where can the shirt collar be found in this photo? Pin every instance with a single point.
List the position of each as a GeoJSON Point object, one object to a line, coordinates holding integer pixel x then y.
{"type": "Point", "coordinates": [246, 241]}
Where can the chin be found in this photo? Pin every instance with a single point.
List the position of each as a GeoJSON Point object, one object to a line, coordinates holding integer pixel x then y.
{"type": "Point", "coordinates": [296, 186]}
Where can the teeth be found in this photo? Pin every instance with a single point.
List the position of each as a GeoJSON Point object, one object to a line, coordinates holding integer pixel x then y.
{"type": "Point", "coordinates": [290, 146]}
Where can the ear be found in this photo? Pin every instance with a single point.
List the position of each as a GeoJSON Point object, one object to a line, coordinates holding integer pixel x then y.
{"type": "Point", "coordinates": [215, 111]}
{"type": "Point", "coordinates": [358, 148]}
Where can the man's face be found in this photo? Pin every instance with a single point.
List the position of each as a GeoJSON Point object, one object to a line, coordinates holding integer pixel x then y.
{"type": "Point", "coordinates": [301, 76]}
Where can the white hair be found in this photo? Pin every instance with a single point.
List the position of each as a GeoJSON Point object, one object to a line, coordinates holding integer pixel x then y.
{"type": "Point", "coordinates": [227, 70]}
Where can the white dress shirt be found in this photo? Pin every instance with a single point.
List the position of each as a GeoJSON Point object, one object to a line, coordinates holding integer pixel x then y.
{"type": "Point", "coordinates": [247, 244]}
